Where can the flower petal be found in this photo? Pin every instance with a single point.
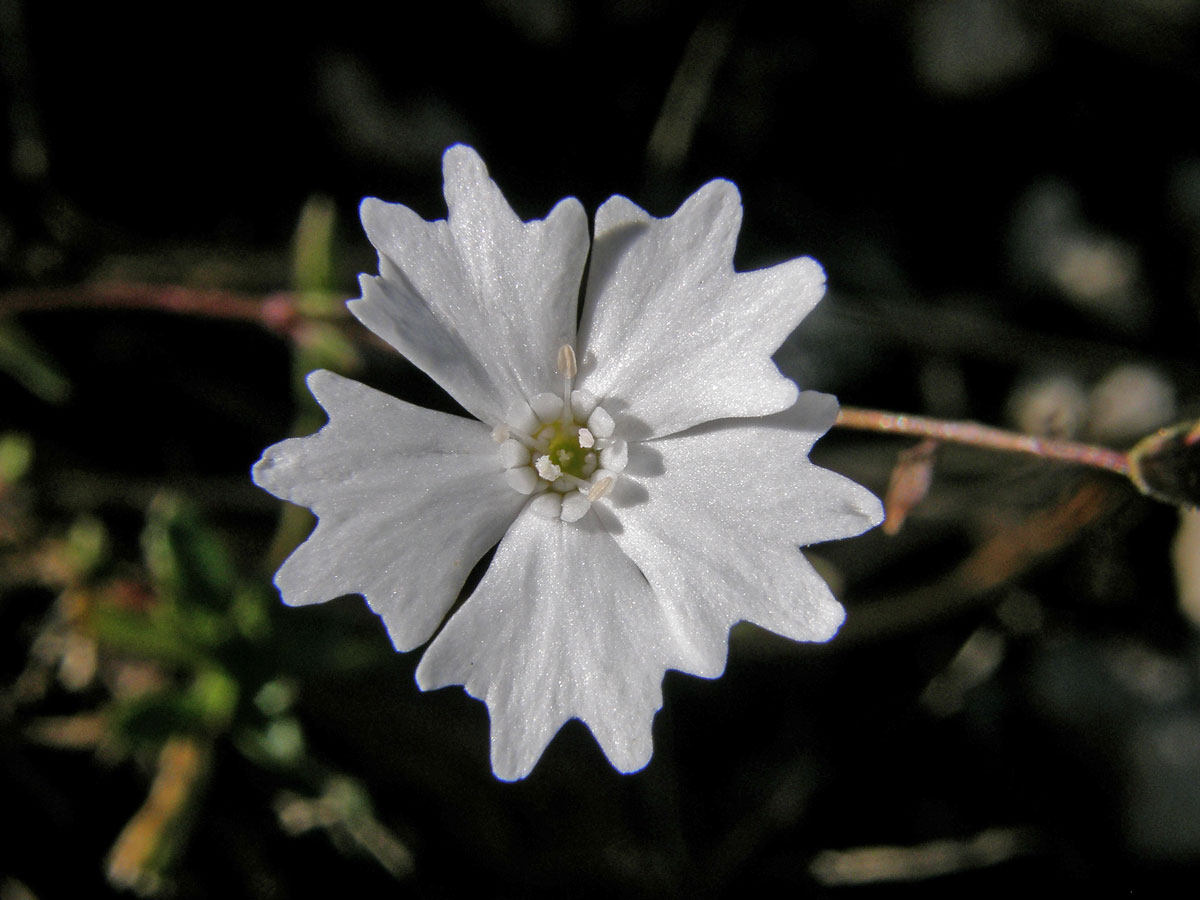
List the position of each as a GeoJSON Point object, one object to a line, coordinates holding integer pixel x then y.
{"type": "Point", "coordinates": [671, 331]}
{"type": "Point", "coordinates": [755, 476]}
{"type": "Point", "coordinates": [562, 626]}
{"type": "Point", "coordinates": [706, 582]}
{"type": "Point", "coordinates": [408, 501]}
{"type": "Point", "coordinates": [480, 301]}
{"type": "Point", "coordinates": [716, 531]}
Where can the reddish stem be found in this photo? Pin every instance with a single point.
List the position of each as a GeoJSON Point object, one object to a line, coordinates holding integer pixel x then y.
{"type": "Point", "coordinates": [276, 312]}
{"type": "Point", "coordinates": [984, 436]}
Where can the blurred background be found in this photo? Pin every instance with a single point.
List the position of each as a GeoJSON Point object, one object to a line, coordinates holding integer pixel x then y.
{"type": "Point", "coordinates": [1006, 198]}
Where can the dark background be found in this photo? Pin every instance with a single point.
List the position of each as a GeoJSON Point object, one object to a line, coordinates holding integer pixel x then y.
{"type": "Point", "coordinates": [1006, 198]}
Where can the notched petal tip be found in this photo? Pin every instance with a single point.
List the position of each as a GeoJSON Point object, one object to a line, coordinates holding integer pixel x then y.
{"type": "Point", "coordinates": [504, 771]}
{"type": "Point", "coordinates": [514, 754]}
{"type": "Point", "coordinates": [827, 620]}
{"type": "Point", "coordinates": [627, 750]}
{"type": "Point", "coordinates": [569, 213]}
{"type": "Point", "coordinates": [368, 207]}
{"type": "Point", "coordinates": [815, 271]}
{"type": "Point", "coordinates": [382, 221]}
{"type": "Point", "coordinates": [471, 194]}
{"type": "Point", "coordinates": [389, 227]}
{"type": "Point", "coordinates": [720, 193]}
{"type": "Point", "coordinates": [713, 201]}
{"type": "Point", "coordinates": [463, 160]}
{"type": "Point", "coordinates": [280, 469]}
{"type": "Point", "coordinates": [870, 507]}
{"type": "Point", "coordinates": [854, 508]}
{"type": "Point", "coordinates": [803, 277]}
{"type": "Point", "coordinates": [430, 677]}
{"type": "Point", "coordinates": [265, 472]}
{"type": "Point", "coordinates": [510, 760]}
{"type": "Point", "coordinates": [617, 211]}
{"type": "Point", "coordinates": [322, 383]}
{"type": "Point", "coordinates": [336, 393]}
{"type": "Point", "coordinates": [714, 210]}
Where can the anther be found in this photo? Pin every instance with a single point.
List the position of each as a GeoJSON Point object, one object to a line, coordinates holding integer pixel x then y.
{"type": "Point", "coordinates": [586, 441]}
{"type": "Point", "coordinates": [566, 361]}
{"type": "Point", "coordinates": [601, 488]}
{"type": "Point", "coordinates": [547, 469]}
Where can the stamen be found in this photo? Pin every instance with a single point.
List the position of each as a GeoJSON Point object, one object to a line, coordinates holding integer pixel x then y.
{"type": "Point", "coordinates": [547, 469]}
{"type": "Point", "coordinates": [548, 454]}
{"type": "Point", "coordinates": [601, 488]}
{"type": "Point", "coordinates": [566, 361]}
{"type": "Point", "coordinates": [567, 369]}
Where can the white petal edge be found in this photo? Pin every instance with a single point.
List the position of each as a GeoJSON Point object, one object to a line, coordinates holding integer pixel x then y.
{"type": "Point", "coordinates": [562, 626]}
{"type": "Point", "coordinates": [671, 335]}
{"type": "Point", "coordinates": [408, 500]}
{"type": "Point", "coordinates": [755, 476]}
{"type": "Point", "coordinates": [480, 301]}
{"type": "Point", "coordinates": [716, 519]}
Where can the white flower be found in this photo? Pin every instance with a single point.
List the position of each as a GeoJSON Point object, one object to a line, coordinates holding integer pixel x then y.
{"type": "Point", "coordinates": [647, 477]}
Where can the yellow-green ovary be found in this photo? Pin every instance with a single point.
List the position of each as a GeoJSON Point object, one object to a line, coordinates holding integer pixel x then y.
{"type": "Point", "coordinates": [565, 452]}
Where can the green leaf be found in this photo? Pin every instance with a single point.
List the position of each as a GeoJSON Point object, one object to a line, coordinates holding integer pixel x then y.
{"type": "Point", "coordinates": [29, 365]}
{"type": "Point", "coordinates": [187, 560]}
{"type": "Point", "coordinates": [312, 261]}
{"type": "Point", "coordinates": [16, 457]}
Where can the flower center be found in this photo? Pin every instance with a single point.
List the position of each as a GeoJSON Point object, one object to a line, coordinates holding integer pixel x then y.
{"type": "Point", "coordinates": [560, 448]}
{"type": "Point", "coordinates": [565, 450]}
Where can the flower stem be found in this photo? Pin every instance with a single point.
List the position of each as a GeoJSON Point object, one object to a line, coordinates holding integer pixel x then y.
{"type": "Point", "coordinates": [275, 312]}
{"type": "Point", "coordinates": [975, 435]}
